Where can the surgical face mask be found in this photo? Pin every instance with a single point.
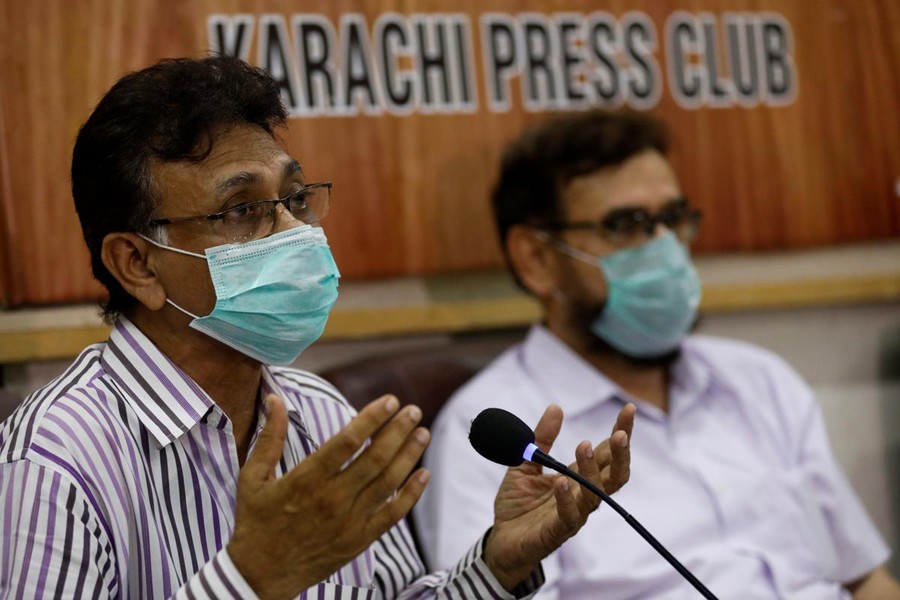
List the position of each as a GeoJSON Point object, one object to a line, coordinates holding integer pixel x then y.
{"type": "Point", "coordinates": [273, 295]}
{"type": "Point", "coordinates": [652, 299]}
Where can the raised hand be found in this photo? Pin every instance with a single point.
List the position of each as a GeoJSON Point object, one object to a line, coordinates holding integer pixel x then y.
{"type": "Point", "coordinates": [293, 532]}
{"type": "Point", "coordinates": [534, 512]}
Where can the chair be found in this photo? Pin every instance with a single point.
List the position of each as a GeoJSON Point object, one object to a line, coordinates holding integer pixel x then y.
{"type": "Point", "coordinates": [426, 378]}
{"type": "Point", "coordinates": [8, 403]}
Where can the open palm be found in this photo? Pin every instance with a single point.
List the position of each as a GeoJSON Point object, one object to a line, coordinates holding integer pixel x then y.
{"type": "Point", "coordinates": [535, 512]}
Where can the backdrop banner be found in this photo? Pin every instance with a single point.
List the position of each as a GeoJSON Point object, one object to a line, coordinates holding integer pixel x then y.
{"type": "Point", "coordinates": [783, 113]}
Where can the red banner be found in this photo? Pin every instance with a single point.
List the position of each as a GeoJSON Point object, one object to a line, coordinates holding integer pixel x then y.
{"type": "Point", "coordinates": [784, 114]}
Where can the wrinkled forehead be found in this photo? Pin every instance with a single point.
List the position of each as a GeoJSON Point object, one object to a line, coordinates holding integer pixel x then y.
{"type": "Point", "coordinates": [646, 180]}
{"type": "Point", "coordinates": [242, 156]}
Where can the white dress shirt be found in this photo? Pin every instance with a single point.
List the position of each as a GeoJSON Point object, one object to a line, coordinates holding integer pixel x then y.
{"type": "Point", "coordinates": [737, 480]}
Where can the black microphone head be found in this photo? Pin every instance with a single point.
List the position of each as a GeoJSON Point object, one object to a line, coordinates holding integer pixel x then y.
{"type": "Point", "coordinates": [500, 436]}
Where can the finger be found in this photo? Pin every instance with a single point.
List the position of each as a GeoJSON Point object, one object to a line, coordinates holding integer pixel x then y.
{"type": "Point", "coordinates": [602, 454]}
{"type": "Point", "coordinates": [587, 468]}
{"type": "Point", "coordinates": [619, 446]}
{"type": "Point", "coordinates": [548, 427]}
{"type": "Point", "coordinates": [342, 446]}
{"type": "Point", "coordinates": [625, 419]}
{"type": "Point", "coordinates": [399, 506]}
{"type": "Point", "coordinates": [260, 465]}
{"type": "Point", "coordinates": [624, 422]}
{"type": "Point", "coordinates": [566, 502]}
{"type": "Point", "coordinates": [620, 464]}
{"type": "Point", "coordinates": [383, 487]}
{"type": "Point", "coordinates": [383, 449]}
{"type": "Point", "coordinates": [545, 433]}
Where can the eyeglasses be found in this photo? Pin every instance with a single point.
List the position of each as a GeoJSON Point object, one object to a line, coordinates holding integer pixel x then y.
{"type": "Point", "coordinates": [254, 220]}
{"type": "Point", "coordinates": [634, 226]}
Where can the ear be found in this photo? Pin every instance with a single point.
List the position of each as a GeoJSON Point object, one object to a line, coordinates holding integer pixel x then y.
{"type": "Point", "coordinates": [533, 259]}
{"type": "Point", "coordinates": [125, 256]}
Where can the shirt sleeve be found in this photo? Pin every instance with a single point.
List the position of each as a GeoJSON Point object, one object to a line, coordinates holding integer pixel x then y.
{"type": "Point", "coordinates": [219, 579]}
{"type": "Point", "coordinates": [399, 573]}
{"type": "Point", "coordinates": [55, 544]}
{"type": "Point", "coordinates": [856, 548]}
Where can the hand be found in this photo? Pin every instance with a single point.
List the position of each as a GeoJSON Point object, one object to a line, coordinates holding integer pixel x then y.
{"type": "Point", "coordinates": [534, 513]}
{"type": "Point", "coordinates": [293, 532]}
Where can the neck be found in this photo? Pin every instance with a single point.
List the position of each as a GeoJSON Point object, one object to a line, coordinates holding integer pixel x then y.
{"type": "Point", "coordinates": [647, 380]}
{"type": "Point", "coordinates": [230, 378]}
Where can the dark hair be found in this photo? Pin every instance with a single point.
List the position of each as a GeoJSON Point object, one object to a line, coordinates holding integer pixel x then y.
{"type": "Point", "coordinates": [539, 164]}
{"type": "Point", "coordinates": [171, 111]}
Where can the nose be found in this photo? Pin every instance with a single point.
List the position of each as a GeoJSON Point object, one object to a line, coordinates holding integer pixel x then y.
{"type": "Point", "coordinates": [655, 227]}
{"type": "Point", "coordinates": [659, 229]}
{"type": "Point", "coordinates": [284, 220]}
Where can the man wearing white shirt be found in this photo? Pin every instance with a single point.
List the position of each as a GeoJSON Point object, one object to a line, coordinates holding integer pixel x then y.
{"type": "Point", "coordinates": [736, 475]}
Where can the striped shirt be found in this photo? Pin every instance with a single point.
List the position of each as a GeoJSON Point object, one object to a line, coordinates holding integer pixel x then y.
{"type": "Point", "coordinates": [119, 479]}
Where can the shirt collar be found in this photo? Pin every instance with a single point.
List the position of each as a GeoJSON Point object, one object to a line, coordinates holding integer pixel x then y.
{"type": "Point", "coordinates": [269, 385]}
{"type": "Point", "coordinates": [167, 402]}
{"type": "Point", "coordinates": [562, 375]}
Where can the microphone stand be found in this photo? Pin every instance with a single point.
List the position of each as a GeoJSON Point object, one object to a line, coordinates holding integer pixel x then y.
{"type": "Point", "coordinates": [546, 460]}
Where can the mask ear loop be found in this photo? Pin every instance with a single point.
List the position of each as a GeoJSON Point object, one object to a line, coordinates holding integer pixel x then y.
{"type": "Point", "coordinates": [566, 248]}
{"type": "Point", "coordinates": [557, 294]}
{"type": "Point", "coordinates": [188, 313]}
{"type": "Point", "coordinates": [179, 251]}
{"type": "Point", "coordinates": [172, 248]}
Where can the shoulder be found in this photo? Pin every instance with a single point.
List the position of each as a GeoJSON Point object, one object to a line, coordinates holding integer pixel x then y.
{"type": "Point", "coordinates": [69, 436]}
{"type": "Point", "coordinates": [740, 360]}
{"type": "Point", "coordinates": [500, 384]}
{"type": "Point", "coordinates": [61, 413]}
{"type": "Point", "coordinates": [762, 382]}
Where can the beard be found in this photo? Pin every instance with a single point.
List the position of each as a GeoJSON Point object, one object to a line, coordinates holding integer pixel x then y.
{"type": "Point", "coordinates": [583, 317]}
{"type": "Point", "coordinates": [583, 310]}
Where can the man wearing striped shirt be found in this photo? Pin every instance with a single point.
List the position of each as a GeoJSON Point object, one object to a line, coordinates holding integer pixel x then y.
{"type": "Point", "coordinates": [174, 460]}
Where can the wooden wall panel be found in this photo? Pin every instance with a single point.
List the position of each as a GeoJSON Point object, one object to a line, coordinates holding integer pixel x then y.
{"type": "Point", "coordinates": [411, 192]}
{"type": "Point", "coordinates": [6, 221]}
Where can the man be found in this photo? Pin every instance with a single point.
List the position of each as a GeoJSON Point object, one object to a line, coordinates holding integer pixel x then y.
{"type": "Point", "coordinates": [736, 476]}
{"type": "Point", "coordinates": [173, 460]}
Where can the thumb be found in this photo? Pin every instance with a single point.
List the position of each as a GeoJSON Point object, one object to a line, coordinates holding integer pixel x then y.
{"type": "Point", "coordinates": [260, 465]}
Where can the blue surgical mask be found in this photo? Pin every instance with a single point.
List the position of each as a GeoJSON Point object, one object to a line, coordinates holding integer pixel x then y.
{"type": "Point", "coordinates": [653, 293]}
{"type": "Point", "coordinates": [273, 295]}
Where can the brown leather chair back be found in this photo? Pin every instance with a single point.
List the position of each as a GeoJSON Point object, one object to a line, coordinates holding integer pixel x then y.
{"type": "Point", "coordinates": [426, 378]}
{"type": "Point", "coordinates": [8, 403]}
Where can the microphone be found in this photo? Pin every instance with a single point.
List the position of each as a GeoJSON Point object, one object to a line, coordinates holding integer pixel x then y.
{"type": "Point", "coordinates": [503, 438]}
